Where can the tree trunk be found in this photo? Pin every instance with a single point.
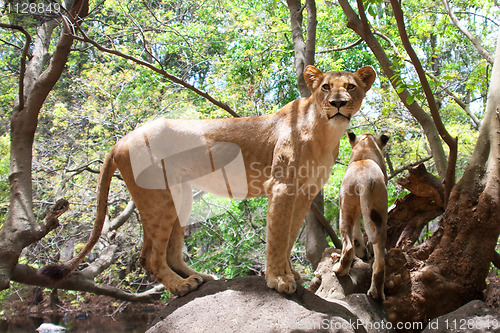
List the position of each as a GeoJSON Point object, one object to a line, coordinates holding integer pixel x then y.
{"type": "Point", "coordinates": [304, 55]}
{"type": "Point", "coordinates": [455, 271]}
{"type": "Point", "coordinates": [20, 227]}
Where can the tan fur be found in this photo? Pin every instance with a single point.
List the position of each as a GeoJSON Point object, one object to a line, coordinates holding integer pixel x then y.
{"type": "Point", "coordinates": [304, 133]}
{"type": "Point", "coordinates": [363, 193]}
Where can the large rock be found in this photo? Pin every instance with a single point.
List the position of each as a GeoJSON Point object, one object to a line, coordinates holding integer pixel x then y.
{"type": "Point", "coordinates": [248, 305]}
{"type": "Point", "coordinates": [474, 316]}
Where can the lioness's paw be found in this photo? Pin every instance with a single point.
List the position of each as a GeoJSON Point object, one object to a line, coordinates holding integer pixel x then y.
{"type": "Point", "coordinates": [207, 277]}
{"type": "Point", "coordinates": [284, 284]}
{"type": "Point", "coordinates": [187, 285]}
{"type": "Point", "coordinates": [340, 270]}
{"type": "Point", "coordinates": [376, 294]}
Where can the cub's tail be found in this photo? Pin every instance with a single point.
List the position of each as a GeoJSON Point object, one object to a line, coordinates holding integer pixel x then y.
{"type": "Point", "coordinates": [372, 217]}
{"type": "Point", "coordinates": [60, 271]}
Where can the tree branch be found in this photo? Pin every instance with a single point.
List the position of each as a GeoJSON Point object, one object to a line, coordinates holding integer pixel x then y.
{"type": "Point", "coordinates": [118, 221]}
{"type": "Point", "coordinates": [362, 28]}
{"type": "Point", "coordinates": [476, 121]}
{"type": "Point", "coordinates": [79, 281]}
{"type": "Point", "coordinates": [326, 225]}
{"type": "Point", "coordinates": [450, 141]}
{"type": "Point", "coordinates": [397, 171]}
{"type": "Point", "coordinates": [482, 51]}
{"type": "Point", "coordinates": [299, 45]}
{"type": "Point", "coordinates": [160, 71]}
{"type": "Point", "coordinates": [312, 23]}
{"type": "Point", "coordinates": [350, 46]}
{"type": "Point", "coordinates": [24, 55]}
{"type": "Point", "coordinates": [460, 103]}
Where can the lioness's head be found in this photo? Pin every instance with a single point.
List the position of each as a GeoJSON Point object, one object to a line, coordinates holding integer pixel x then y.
{"type": "Point", "coordinates": [339, 94]}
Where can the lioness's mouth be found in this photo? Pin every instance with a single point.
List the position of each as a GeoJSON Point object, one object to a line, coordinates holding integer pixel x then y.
{"type": "Point", "coordinates": [339, 114]}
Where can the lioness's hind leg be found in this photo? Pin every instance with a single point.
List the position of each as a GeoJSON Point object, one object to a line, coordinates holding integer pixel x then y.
{"type": "Point", "coordinates": [175, 258]}
{"type": "Point", "coordinates": [158, 225]}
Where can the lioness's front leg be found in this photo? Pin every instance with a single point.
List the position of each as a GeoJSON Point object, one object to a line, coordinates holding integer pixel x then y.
{"type": "Point", "coordinates": [279, 275]}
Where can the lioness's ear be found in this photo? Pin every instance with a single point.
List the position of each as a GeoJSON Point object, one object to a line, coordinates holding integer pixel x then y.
{"type": "Point", "coordinates": [313, 77]}
{"type": "Point", "coordinates": [367, 74]}
{"type": "Point", "coordinates": [383, 140]}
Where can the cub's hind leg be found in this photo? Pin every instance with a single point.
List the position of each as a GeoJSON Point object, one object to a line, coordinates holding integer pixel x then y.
{"type": "Point", "coordinates": [378, 235]}
{"type": "Point", "coordinates": [348, 221]}
{"type": "Point", "coordinates": [378, 276]}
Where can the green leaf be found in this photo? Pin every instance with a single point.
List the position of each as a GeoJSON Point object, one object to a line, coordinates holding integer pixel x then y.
{"type": "Point", "coordinates": [410, 100]}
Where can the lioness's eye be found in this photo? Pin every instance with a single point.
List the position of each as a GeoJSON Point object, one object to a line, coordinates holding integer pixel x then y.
{"type": "Point", "coordinates": [325, 87]}
{"type": "Point", "coordinates": [350, 86]}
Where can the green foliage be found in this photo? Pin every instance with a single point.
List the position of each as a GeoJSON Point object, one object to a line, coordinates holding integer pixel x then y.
{"type": "Point", "coordinates": [242, 54]}
{"type": "Point", "coordinates": [230, 243]}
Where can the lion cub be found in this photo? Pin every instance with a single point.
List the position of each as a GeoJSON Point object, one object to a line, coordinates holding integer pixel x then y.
{"type": "Point", "coordinates": [363, 193]}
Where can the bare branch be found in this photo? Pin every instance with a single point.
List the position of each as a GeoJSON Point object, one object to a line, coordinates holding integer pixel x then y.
{"type": "Point", "coordinates": [476, 121]}
{"type": "Point", "coordinates": [450, 141]}
{"type": "Point", "coordinates": [106, 258]}
{"type": "Point", "coordinates": [482, 51]}
{"type": "Point", "coordinates": [78, 281]}
{"type": "Point", "coordinates": [326, 225]}
{"type": "Point", "coordinates": [387, 39]}
{"type": "Point", "coordinates": [362, 27]}
{"type": "Point", "coordinates": [118, 221]}
{"type": "Point", "coordinates": [461, 103]}
{"type": "Point", "coordinates": [22, 66]}
{"type": "Point", "coordinates": [87, 39]}
{"type": "Point", "coordinates": [402, 168]}
{"type": "Point", "coordinates": [350, 46]}
{"type": "Point", "coordinates": [86, 167]}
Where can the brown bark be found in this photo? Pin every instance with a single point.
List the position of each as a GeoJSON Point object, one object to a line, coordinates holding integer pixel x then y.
{"type": "Point", "coordinates": [454, 270]}
{"type": "Point", "coordinates": [431, 102]}
{"type": "Point", "coordinates": [20, 227]}
{"type": "Point", "coordinates": [410, 214]}
{"type": "Point", "coordinates": [304, 50]}
{"type": "Point", "coordinates": [83, 282]}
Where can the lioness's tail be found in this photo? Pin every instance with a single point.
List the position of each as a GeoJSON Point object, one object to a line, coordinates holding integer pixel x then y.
{"type": "Point", "coordinates": [60, 271]}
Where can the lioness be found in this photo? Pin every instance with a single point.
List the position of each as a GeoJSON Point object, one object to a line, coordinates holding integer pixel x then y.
{"type": "Point", "coordinates": [287, 156]}
{"type": "Point", "coordinates": [363, 193]}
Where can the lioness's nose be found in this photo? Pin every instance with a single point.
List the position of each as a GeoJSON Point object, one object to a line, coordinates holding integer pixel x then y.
{"type": "Point", "coordinates": [338, 104]}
